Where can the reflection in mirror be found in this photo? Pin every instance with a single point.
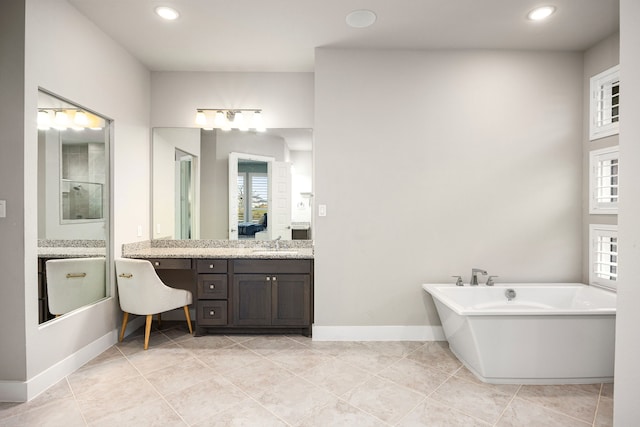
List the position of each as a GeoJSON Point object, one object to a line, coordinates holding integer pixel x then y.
{"type": "Point", "coordinates": [214, 210]}
{"type": "Point", "coordinates": [250, 203]}
{"type": "Point", "coordinates": [73, 200]}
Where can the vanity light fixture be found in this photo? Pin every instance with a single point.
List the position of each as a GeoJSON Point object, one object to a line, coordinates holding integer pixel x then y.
{"type": "Point", "coordinates": [541, 13]}
{"type": "Point", "coordinates": [168, 13]}
{"type": "Point", "coordinates": [226, 119]}
{"type": "Point", "coordinates": [68, 118]}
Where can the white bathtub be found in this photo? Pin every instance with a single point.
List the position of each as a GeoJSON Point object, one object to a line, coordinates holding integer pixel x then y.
{"type": "Point", "coordinates": [552, 333]}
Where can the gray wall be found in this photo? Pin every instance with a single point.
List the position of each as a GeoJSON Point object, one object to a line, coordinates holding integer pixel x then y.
{"type": "Point", "coordinates": [431, 163]}
{"type": "Point", "coordinates": [12, 261]}
{"type": "Point", "coordinates": [627, 381]}
{"type": "Point", "coordinates": [105, 78]}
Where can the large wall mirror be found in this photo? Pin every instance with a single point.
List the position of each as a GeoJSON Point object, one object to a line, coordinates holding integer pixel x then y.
{"type": "Point", "coordinates": [214, 184]}
{"type": "Point", "coordinates": [73, 206]}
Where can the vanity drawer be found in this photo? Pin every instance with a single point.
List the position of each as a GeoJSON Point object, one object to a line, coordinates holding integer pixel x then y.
{"type": "Point", "coordinates": [212, 312]}
{"type": "Point", "coordinates": [212, 286]}
{"type": "Point", "coordinates": [211, 265]}
{"type": "Point", "coordinates": [170, 263]}
{"type": "Point", "coordinates": [271, 266]}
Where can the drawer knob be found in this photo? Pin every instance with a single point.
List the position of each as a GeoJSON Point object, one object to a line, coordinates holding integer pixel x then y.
{"type": "Point", "coordinates": [157, 263]}
{"type": "Point", "coordinates": [212, 286]}
{"type": "Point", "coordinates": [274, 278]}
{"type": "Point", "coordinates": [210, 265]}
{"type": "Point", "coordinates": [211, 313]}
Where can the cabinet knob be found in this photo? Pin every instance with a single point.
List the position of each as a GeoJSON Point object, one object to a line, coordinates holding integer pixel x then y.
{"type": "Point", "coordinates": [211, 313]}
{"type": "Point", "coordinates": [212, 286]}
{"type": "Point", "coordinates": [268, 279]}
{"type": "Point", "coordinates": [210, 265]}
{"type": "Point", "coordinates": [274, 278]}
{"type": "Point", "coordinates": [157, 263]}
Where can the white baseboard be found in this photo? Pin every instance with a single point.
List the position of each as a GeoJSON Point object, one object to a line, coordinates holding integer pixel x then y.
{"type": "Point", "coordinates": [22, 391]}
{"type": "Point", "coordinates": [378, 333]}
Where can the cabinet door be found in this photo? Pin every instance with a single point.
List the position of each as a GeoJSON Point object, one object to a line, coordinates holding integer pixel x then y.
{"type": "Point", "coordinates": [251, 300]}
{"type": "Point", "coordinates": [291, 299]}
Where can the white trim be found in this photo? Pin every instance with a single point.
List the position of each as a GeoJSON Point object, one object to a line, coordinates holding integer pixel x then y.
{"type": "Point", "coordinates": [22, 391]}
{"type": "Point", "coordinates": [378, 333]}
{"type": "Point", "coordinates": [596, 230]}
{"type": "Point", "coordinates": [595, 158]}
{"type": "Point", "coordinates": [605, 79]}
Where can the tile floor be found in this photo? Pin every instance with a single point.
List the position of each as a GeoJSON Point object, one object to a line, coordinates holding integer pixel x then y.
{"type": "Point", "coordinates": [294, 381]}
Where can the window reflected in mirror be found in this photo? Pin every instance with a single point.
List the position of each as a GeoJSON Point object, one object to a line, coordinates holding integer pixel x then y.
{"type": "Point", "coordinates": [73, 200]}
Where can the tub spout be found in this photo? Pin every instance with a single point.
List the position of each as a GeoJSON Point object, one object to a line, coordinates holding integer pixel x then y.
{"type": "Point", "coordinates": [474, 275]}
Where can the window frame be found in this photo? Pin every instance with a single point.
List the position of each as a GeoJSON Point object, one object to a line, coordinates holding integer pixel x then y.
{"type": "Point", "coordinates": [597, 84]}
{"type": "Point", "coordinates": [597, 231]}
{"type": "Point", "coordinates": [596, 157]}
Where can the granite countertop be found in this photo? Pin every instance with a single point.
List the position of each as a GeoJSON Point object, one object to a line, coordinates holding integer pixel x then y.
{"type": "Point", "coordinates": [70, 252]}
{"type": "Point", "coordinates": [218, 249]}
{"type": "Point", "coordinates": [71, 248]}
{"type": "Point", "coordinates": [256, 253]}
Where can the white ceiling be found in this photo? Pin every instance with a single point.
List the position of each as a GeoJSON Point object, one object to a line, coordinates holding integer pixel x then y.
{"type": "Point", "coordinates": [280, 35]}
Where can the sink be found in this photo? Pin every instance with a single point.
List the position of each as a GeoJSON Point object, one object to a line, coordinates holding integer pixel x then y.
{"type": "Point", "coordinates": [273, 252]}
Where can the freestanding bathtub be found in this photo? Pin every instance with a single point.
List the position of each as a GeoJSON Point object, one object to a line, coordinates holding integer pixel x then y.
{"type": "Point", "coordinates": [552, 333]}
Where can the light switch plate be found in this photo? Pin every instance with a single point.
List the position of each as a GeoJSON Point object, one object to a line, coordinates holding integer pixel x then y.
{"type": "Point", "coordinates": [3, 208]}
{"type": "Point", "coordinates": [322, 210]}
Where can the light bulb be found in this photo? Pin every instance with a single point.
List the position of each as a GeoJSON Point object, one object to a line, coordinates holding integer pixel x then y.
{"type": "Point", "coordinates": [240, 122]}
{"type": "Point", "coordinates": [257, 121]}
{"type": "Point", "coordinates": [220, 119]}
{"type": "Point", "coordinates": [81, 119]}
{"type": "Point", "coordinates": [201, 119]}
{"type": "Point", "coordinates": [61, 120]}
{"type": "Point", "coordinates": [44, 121]}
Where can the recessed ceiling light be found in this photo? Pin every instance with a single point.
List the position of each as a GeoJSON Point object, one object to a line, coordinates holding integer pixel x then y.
{"type": "Point", "coordinates": [167, 13]}
{"type": "Point", "coordinates": [541, 13]}
{"type": "Point", "coordinates": [361, 18]}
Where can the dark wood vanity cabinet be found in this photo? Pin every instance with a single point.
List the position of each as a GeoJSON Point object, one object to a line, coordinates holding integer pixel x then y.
{"type": "Point", "coordinates": [254, 295]}
{"type": "Point", "coordinates": [245, 295]}
{"type": "Point", "coordinates": [272, 293]}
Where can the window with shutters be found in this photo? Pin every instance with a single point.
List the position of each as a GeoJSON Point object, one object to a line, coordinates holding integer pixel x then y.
{"type": "Point", "coordinates": [253, 193]}
{"type": "Point", "coordinates": [605, 103]}
{"type": "Point", "coordinates": [603, 255]}
{"type": "Point", "coordinates": [603, 181]}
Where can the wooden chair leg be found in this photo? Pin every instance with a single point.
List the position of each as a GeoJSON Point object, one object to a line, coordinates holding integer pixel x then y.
{"type": "Point", "coordinates": [186, 313]}
{"type": "Point", "coordinates": [125, 319]}
{"type": "Point", "coordinates": [159, 320]}
{"type": "Point", "coordinates": [147, 330]}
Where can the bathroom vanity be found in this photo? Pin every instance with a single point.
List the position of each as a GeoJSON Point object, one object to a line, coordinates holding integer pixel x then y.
{"type": "Point", "coordinates": [239, 289]}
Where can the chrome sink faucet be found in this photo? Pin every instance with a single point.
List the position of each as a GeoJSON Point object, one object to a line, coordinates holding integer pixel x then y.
{"type": "Point", "coordinates": [277, 240]}
{"type": "Point", "coordinates": [474, 275]}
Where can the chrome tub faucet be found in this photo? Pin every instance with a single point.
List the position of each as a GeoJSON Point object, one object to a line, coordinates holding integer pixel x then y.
{"type": "Point", "coordinates": [474, 275]}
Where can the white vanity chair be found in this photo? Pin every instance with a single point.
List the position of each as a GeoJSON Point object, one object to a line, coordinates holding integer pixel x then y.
{"type": "Point", "coordinates": [74, 282]}
{"type": "Point", "coordinates": [141, 292]}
